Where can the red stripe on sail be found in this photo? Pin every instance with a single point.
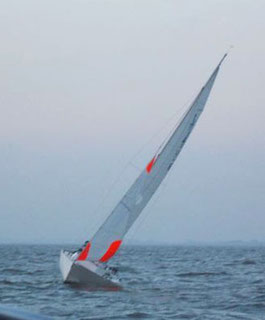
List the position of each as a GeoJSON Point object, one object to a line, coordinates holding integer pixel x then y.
{"type": "Point", "coordinates": [83, 255]}
{"type": "Point", "coordinates": [150, 165]}
{"type": "Point", "coordinates": [111, 251]}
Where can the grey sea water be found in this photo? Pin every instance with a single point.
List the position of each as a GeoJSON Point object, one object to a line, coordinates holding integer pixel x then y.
{"type": "Point", "coordinates": [159, 282]}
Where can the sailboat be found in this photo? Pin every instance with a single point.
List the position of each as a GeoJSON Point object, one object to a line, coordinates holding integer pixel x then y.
{"type": "Point", "coordinates": [89, 265]}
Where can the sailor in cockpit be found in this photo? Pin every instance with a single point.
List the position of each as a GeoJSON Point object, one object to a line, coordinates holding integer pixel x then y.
{"type": "Point", "coordinates": [76, 253]}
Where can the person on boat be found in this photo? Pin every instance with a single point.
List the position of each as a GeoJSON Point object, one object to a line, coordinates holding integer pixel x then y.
{"type": "Point", "coordinates": [77, 252]}
{"type": "Point", "coordinates": [83, 246]}
{"type": "Point", "coordinates": [114, 270]}
{"type": "Point", "coordinates": [111, 270]}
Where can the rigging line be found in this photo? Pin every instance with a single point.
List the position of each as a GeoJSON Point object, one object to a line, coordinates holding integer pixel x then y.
{"type": "Point", "coordinates": [130, 163]}
{"type": "Point", "coordinates": [185, 107]}
{"type": "Point", "coordinates": [161, 128]}
{"type": "Point", "coordinates": [104, 198]}
{"type": "Point", "coordinates": [197, 97]}
{"type": "Point", "coordinates": [152, 138]}
{"type": "Point", "coordinates": [135, 166]}
{"type": "Point", "coordinates": [144, 217]}
{"type": "Point", "coordinates": [160, 192]}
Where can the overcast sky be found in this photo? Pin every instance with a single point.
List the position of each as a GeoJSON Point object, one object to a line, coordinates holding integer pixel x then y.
{"type": "Point", "coordinates": [89, 89]}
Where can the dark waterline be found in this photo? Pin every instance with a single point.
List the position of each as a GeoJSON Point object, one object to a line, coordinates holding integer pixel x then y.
{"type": "Point", "coordinates": [159, 282]}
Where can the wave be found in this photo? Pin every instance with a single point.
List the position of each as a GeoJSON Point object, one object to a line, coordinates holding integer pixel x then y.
{"type": "Point", "coordinates": [199, 274]}
{"type": "Point", "coordinates": [14, 271]}
{"type": "Point", "coordinates": [248, 261]}
{"type": "Point", "coordinates": [138, 315]}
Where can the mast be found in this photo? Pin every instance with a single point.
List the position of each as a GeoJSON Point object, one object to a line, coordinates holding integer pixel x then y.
{"type": "Point", "coordinates": [108, 238]}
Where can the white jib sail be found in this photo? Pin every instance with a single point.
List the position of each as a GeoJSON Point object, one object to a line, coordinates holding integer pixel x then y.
{"type": "Point", "coordinates": [108, 238]}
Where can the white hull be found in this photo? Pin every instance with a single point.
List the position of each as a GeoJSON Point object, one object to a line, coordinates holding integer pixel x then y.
{"type": "Point", "coordinates": [83, 272]}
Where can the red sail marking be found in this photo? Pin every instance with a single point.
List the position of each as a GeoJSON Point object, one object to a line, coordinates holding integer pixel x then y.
{"type": "Point", "coordinates": [150, 165]}
{"type": "Point", "coordinates": [111, 251]}
{"type": "Point", "coordinates": [83, 255]}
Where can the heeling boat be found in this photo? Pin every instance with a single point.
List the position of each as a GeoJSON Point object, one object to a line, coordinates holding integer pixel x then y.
{"type": "Point", "coordinates": [89, 265]}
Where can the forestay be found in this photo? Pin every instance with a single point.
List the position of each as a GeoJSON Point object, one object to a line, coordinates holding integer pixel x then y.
{"type": "Point", "coordinates": [107, 239]}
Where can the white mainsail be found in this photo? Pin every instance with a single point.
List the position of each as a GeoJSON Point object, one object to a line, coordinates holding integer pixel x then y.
{"type": "Point", "coordinates": [108, 238]}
